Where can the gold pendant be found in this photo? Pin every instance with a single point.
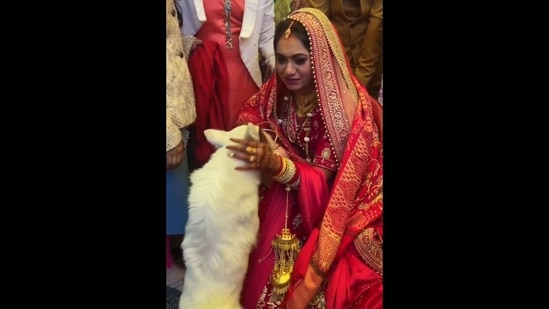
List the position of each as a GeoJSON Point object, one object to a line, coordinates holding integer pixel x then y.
{"type": "Point", "coordinates": [288, 31]}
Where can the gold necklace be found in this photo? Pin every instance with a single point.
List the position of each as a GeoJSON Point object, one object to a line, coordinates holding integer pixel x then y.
{"type": "Point", "coordinates": [305, 104]}
{"type": "Point", "coordinates": [292, 124]}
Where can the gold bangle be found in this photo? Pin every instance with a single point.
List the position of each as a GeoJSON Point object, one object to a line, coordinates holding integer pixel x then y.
{"type": "Point", "coordinates": [283, 173]}
{"type": "Point", "coordinates": [288, 172]}
{"type": "Point", "coordinates": [282, 168]}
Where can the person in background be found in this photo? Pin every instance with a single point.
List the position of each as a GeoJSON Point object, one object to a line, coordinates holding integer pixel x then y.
{"type": "Point", "coordinates": [180, 113]}
{"type": "Point", "coordinates": [243, 29]}
{"type": "Point", "coordinates": [359, 24]}
{"type": "Point", "coordinates": [321, 202]}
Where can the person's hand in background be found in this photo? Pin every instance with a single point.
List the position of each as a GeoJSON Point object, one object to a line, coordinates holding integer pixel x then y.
{"type": "Point", "coordinates": [195, 44]}
{"type": "Point", "coordinates": [174, 156]}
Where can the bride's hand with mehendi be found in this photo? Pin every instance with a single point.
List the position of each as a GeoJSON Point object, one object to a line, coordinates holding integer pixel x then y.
{"type": "Point", "coordinates": [279, 150]}
{"type": "Point", "coordinates": [258, 154]}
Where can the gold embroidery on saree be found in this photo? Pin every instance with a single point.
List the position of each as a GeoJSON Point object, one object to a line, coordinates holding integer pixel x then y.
{"type": "Point", "coordinates": [370, 248]}
{"type": "Point", "coordinates": [325, 71]}
{"type": "Point", "coordinates": [325, 153]}
{"type": "Point", "coordinates": [334, 83]}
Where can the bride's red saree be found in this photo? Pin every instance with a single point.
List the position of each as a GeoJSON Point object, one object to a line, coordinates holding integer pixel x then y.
{"type": "Point", "coordinates": [339, 222]}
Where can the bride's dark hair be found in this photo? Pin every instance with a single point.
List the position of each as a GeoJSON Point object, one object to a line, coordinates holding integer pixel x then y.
{"type": "Point", "coordinates": [296, 29]}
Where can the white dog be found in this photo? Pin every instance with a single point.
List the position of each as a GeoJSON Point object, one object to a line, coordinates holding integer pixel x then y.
{"type": "Point", "coordinates": [222, 226]}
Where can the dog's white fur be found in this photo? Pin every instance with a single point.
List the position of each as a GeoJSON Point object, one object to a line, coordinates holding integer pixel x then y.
{"type": "Point", "coordinates": [222, 226]}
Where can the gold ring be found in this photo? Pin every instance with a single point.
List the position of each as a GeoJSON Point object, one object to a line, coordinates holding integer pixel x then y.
{"type": "Point", "coordinates": [231, 154]}
{"type": "Point", "coordinates": [251, 150]}
{"type": "Point", "coordinates": [251, 159]}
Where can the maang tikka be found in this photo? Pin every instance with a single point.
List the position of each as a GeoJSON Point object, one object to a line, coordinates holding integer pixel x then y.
{"type": "Point", "coordinates": [288, 31]}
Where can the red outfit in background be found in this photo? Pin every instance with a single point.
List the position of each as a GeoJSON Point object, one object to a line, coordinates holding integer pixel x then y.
{"type": "Point", "coordinates": [210, 80]}
{"type": "Point", "coordinates": [240, 86]}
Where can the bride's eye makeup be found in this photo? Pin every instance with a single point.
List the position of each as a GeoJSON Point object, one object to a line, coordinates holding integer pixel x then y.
{"type": "Point", "coordinates": [298, 59]}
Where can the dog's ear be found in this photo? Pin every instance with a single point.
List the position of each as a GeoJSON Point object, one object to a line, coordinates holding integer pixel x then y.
{"type": "Point", "coordinates": [265, 138]}
{"type": "Point", "coordinates": [253, 132]}
{"type": "Point", "coordinates": [217, 138]}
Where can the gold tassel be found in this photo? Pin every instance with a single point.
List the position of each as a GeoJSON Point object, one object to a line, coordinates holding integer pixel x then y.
{"type": "Point", "coordinates": [286, 247]}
